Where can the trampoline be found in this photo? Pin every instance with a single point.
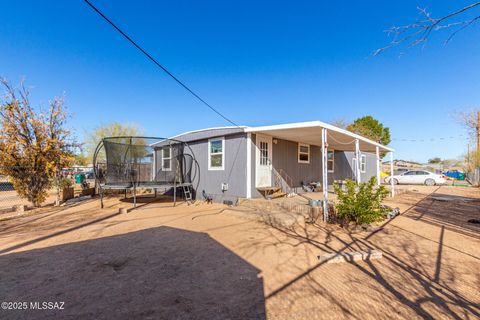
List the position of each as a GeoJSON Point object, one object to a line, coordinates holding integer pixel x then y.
{"type": "Point", "coordinates": [132, 163]}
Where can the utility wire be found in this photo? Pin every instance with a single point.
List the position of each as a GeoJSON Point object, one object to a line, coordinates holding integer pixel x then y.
{"type": "Point", "coordinates": [158, 64]}
{"type": "Point", "coordinates": [431, 139]}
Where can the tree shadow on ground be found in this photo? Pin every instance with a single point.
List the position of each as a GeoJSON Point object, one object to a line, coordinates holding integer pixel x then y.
{"type": "Point", "coordinates": [158, 273]}
{"type": "Point", "coordinates": [452, 212]}
{"type": "Point", "coordinates": [417, 277]}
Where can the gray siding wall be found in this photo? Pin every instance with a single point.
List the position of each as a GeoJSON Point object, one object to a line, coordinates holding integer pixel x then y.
{"type": "Point", "coordinates": [344, 166]}
{"type": "Point", "coordinates": [234, 172]}
{"type": "Point", "coordinates": [285, 157]}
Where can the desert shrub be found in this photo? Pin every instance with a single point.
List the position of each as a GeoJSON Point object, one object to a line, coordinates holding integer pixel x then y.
{"type": "Point", "coordinates": [360, 202]}
{"type": "Point", "coordinates": [62, 183]}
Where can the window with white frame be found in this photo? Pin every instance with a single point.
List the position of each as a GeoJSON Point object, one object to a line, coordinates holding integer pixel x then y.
{"type": "Point", "coordinates": [330, 160]}
{"type": "Point", "coordinates": [303, 153]}
{"type": "Point", "coordinates": [167, 159]}
{"type": "Point", "coordinates": [216, 154]}
{"type": "Point", "coordinates": [264, 160]}
{"type": "Point", "coordinates": [363, 163]}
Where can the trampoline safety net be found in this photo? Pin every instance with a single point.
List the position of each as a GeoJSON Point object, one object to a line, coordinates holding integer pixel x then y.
{"type": "Point", "coordinates": [143, 162]}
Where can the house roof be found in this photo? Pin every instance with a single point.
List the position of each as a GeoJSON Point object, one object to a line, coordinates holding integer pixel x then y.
{"type": "Point", "coordinates": [306, 132]}
{"type": "Point", "coordinates": [311, 133]}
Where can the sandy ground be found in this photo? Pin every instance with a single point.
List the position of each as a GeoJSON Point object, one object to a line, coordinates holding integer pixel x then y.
{"type": "Point", "coordinates": [200, 262]}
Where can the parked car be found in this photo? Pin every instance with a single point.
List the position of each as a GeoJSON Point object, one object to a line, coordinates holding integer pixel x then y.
{"type": "Point", "coordinates": [89, 175]}
{"type": "Point", "coordinates": [417, 177]}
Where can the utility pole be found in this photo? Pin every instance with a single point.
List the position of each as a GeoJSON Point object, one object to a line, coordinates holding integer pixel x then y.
{"type": "Point", "coordinates": [468, 156]}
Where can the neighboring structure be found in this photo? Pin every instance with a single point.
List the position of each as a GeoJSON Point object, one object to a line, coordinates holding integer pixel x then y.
{"type": "Point", "coordinates": [243, 162]}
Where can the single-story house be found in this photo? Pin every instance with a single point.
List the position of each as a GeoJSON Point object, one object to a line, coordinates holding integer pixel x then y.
{"type": "Point", "coordinates": [244, 162]}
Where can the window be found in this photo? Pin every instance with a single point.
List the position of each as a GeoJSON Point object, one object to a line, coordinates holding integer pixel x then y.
{"type": "Point", "coordinates": [216, 154]}
{"type": "Point", "coordinates": [167, 159]}
{"type": "Point", "coordinates": [410, 173]}
{"type": "Point", "coordinates": [422, 173]}
{"type": "Point", "coordinates": [330, 160]}
{"type": "Point", "coordinates": [363, 163]}
{"type": "Point", "coordinates": [303, 153]}
{"type": "Point", "coordinates": [264, 153]}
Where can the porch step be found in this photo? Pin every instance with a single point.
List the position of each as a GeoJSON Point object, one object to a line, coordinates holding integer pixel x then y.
{"type": "Point", "coordinates": [277, 194]}
{"type": "Point", "coordinates": [268, 192]}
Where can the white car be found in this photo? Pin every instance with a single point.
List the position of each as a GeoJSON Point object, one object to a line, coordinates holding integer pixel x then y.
{"type": "Point", "coordinates": [417, 177]}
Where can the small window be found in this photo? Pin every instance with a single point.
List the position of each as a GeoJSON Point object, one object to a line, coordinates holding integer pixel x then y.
{"type": "Point", "coordinates": [303, 153]}
{"type": "Point", "coordinates": [167, 159]}
{"type": "Point", "coordinates": [216, 154]}
{"type": "Point", "coordinates": [363, 163]}
{"type": "Point", "coordinates": [410, 173]}
{"type": "Point", "coordinates": [330, 160]}
{"type": "Point", "coordinates": [264, 154]}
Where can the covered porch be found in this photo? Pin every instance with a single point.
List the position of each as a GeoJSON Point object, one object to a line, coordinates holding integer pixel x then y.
{"type": "Point", "coordinates": [316, 145]}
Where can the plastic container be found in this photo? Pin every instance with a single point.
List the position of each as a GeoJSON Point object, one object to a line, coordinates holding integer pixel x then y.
{"type": "Point", "coordinates": [79, 178]}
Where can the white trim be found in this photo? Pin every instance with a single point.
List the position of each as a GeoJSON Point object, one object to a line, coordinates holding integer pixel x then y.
{"type": "Point", "coordinates": [249, 166]}
{"type": "Point", "coordinates": [325, 173]}
{"type": "Point", "coordinates": [358, 176]}
{"type": "Point", "coordinates": [299, 152]}
{"type": "Point", "coordinates": [167, 158]}
{"type": "Point", "coordinates": [311, 124]}
{"type": "Point", "coordinates": [377, 157]}
{"type": "Point", "coordinates": [257, 159]}
{"type": "Point", "coordinates": [392, 185]}
{"type": "Point", "coordinates": [154, 165]}
{"type": "Point", "coordinates": [223, 153]}
{"type": "Point", "coordinates": [333, 160]}
{"type": "Point", "coordinates": [208, 129]}
{"type": "Point", "coordinates": [363, 156]}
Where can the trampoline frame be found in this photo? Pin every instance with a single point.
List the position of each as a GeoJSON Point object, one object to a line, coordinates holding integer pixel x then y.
{"type": "Point", "coordinates": [132, 185]}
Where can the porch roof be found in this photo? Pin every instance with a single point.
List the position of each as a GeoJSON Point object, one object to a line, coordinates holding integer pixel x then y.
{"type": "Point", "coordinates": [311, 133]}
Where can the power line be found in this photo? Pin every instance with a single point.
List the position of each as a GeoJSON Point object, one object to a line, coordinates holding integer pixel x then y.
{"type": "Point", "coordinates": [431, 139]}
{"type": "Point", "coordinates": [158, 64]}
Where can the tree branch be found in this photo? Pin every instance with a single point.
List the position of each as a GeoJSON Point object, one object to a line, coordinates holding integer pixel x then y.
{"type": "Point", "coordinates": [418, 32]}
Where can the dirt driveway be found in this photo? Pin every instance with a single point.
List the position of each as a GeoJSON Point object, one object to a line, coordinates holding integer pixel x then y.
{"type": "Point", "coordinates": [199, 262]}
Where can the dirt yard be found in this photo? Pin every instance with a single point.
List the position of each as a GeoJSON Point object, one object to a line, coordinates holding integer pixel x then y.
{"type": "Point", "coordinates": [200, 262]}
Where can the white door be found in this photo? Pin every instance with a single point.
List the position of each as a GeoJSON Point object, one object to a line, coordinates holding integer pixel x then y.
{"type": "Point", "coordinates": [263, 156]}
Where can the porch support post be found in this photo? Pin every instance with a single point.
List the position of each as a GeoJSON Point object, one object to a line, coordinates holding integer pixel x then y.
{"type": "Point", "coordinates": [392, 185]}
{"type": "Point", "coordinates": [248, 192]}
{"type": "Point", "coordinates": [377, 149]}
{"type": "Point", "coordinates": [325, 174]}
{"type": "Point", "coordinates": [357, 162]}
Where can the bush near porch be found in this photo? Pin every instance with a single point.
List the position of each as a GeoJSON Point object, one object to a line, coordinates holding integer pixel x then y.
{"type": "Point", "coordinates": [360, 202]}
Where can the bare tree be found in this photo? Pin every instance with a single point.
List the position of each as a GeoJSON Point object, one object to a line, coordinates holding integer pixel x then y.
{"type": "Point", "coordinates": [418, 32]}
{"type": "Point", "coordinates": [340, 123]}
{"type": "Point", "coordinates": [468, 120]}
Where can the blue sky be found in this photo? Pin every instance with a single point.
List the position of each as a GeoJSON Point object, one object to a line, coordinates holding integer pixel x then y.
{"type": "Point", "coordinates": [259, 62]}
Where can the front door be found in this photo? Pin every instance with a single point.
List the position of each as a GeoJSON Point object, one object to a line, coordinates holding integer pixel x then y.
{"type": "Point", "coordinates": [263, 161]}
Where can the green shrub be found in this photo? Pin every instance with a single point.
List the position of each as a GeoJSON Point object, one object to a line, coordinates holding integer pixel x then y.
{"type": "Point", "coordinates": [360, 203]}
{"type": "Point", "coordinates": [62, 182]}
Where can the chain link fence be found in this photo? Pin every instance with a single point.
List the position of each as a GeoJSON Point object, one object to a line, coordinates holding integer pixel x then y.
{"type": "Point", "coordinates": [10, 199]}
{"type": "Point", "coordinates": [474, 177]}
